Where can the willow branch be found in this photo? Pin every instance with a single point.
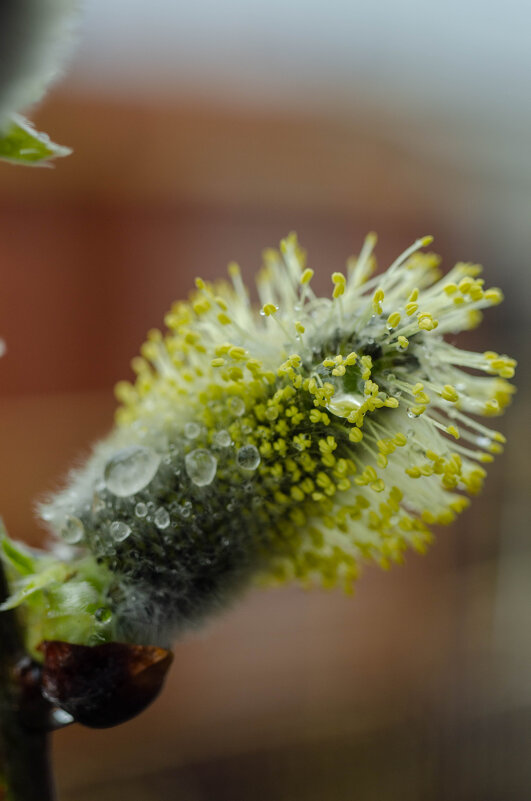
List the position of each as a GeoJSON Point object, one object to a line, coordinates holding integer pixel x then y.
{"type": "Point", "coordinates": [24, 716]}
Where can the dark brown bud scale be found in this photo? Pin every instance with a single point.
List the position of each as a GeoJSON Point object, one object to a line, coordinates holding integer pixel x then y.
{"type": "Point", "coordinates": [103, 685]}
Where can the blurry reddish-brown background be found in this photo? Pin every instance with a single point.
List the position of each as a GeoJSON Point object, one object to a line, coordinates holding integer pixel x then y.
{"type": "Point", "coordinates": [418, 687]}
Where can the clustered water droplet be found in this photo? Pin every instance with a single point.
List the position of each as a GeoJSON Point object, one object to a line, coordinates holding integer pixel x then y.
{"type": "Point", "coordinates": [141, 510]}
{"type": "Point", "coordinates": [248, 457]}
{"type": "Point", "coordinates": [162, 518]}
{"type": "Point", "coordinates": [119, 531]}
{"type": "Point", "coordinates": [130, 470]}
{"type": "Point", "coordinates": [192, 430]}
{"type": "Point", "coordinates": [201, 466]}
{"type": "Point", "coordinates": [222, 439]}
{"type": "Point", "coordinates": [236, 406]}
{"type": "Point", "coordinates": [73, 530]}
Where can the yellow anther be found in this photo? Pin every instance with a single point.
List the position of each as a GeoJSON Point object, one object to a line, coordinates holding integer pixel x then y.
{"type": "Point", "coordinates": [355, 435]}
{"type": "Point", "coordinates": [454, 431]}
{"type": "Point", "coordinates": [269, 309]}
{"type": "Point", "coordinates": [450, 288]}
{"type": "Point", "coordinates": [219, 362]}
{"type": "Point", "coordinates": [400, 439]}
{"type": "Point", "coordinates": [377, 301]}
{"type": "Point", "coordinates": [492, 407]}
{"type": "Point", "coordinates": [351, 358]}
{"type": "Point", "coordinates": [465, 284]}
{"type": "Point", "coordinates": [327, 445]}
{"type": "Point", "coordinates": [495, 447]}
{"type": "Point", "coordinates": [421, 397]}
{"type": "Point", "coordinates": [426, 322]}
{"type": "Point", "coordinates": [474, 318]}
{"type": "Point", "coordinates": [413, 472]}
{"type": "Point", "coordinates": [494, 296]}
{"type": "Point", "coordinates": [237, 353]}
{"type": "Point", "coordinates": [393, 319]}
{"type": "Point", "coordinates": [224, 318]}
{"type": "Point", "coordinates": [391, 403]}
{"type": "Point", "coordinates": [234, 269]}
{"type": "Point", "coordinates": [413, 295]}
{"type": "Point", "coordinates": [201, 306]}
{"type": "Point", "coordinates": [339, 370]}
{"type": "Point", "coordinates": [403, 342]}
{"type": "Point", "coordinates": [307, 276]}
{"type": "Point", "coordinates": [449, 393]}
{"type": "Point", "coordinates": [297, 494]}
{"type": "Point", "coordinates": [200, 284]}
{"type": "Point", "coordinates": [411, 308]}
{"type": "Point", "coordinates": [300, 329]}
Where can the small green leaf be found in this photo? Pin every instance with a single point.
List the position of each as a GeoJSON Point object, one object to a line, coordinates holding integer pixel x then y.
{"type": "Point", "coordinates": [17, 556]}
{"type": "Point", "coordinates": [20, 143]}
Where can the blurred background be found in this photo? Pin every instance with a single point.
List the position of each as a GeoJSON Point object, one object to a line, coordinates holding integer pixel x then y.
{"type": "Point", "coordinates": [203, 133]}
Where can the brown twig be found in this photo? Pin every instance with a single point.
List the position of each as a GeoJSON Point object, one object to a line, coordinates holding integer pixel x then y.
{"type": "Point", "coordinates": [24, 716]}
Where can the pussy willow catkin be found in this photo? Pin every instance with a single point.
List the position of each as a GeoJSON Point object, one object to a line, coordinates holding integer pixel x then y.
{"type": "Point", "coordinates": [290, 442]}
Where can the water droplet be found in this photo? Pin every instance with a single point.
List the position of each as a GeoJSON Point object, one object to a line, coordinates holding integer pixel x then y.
{"type": "Point", "coordinates": [484, 442]}
{"type": "Point", "coordinates": [73, 530]}
{"type": "Point", "coordinates": [186, 509]}
{"type": "Point", "coordinates": [162, 518]}
{"type": "Point", "coordinates": [103, 614]}
{"type": "Point", "coordinates": [61, 717]}
{"type": "Point", "coordinates": [236, 406]}
{"type": "Point", "coordinates": [411, 414]}
{"type": "Point", "coordinates": [248, 457]}
{"type": "Point", "coordinates": [119, 531]}
{"type": "Point", "coordinates": [222, 439]}
{"type": "Point", "coordinates": [192, 430]}
{"type": "Point", "coordinates": [130, 470]}
{"type": "Point", "coordinates": [141, 510]}
{"type": "Point", "coordinates": [201, 466]}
